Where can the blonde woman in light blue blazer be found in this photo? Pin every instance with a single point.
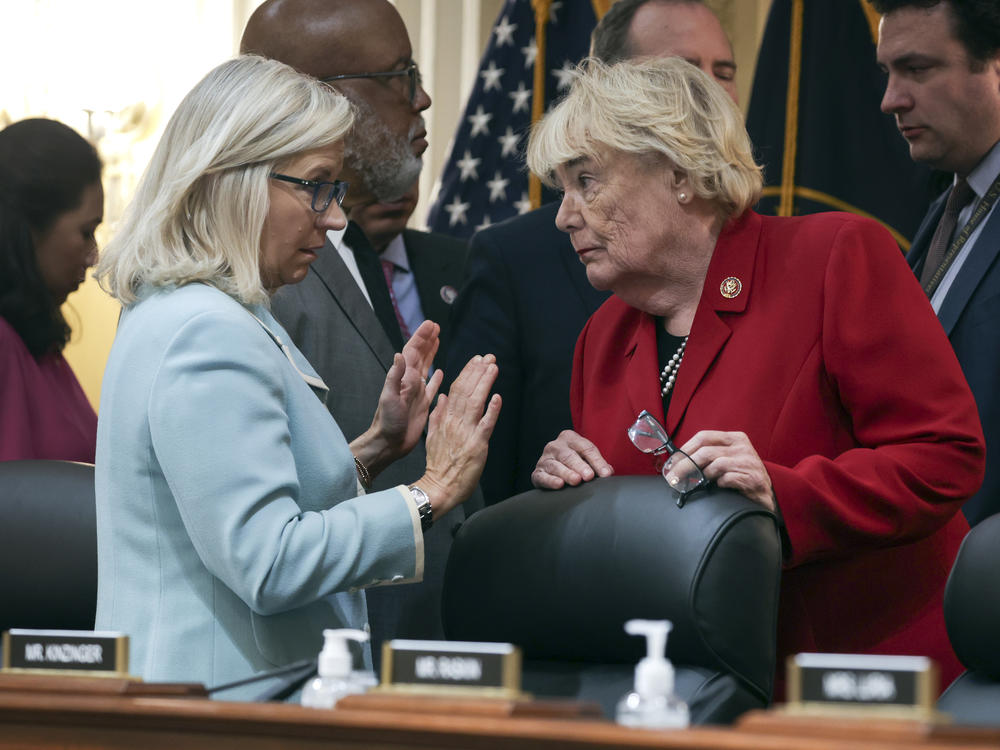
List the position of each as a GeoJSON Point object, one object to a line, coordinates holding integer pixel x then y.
{"type": "Point", "coordinates": [232, 523]}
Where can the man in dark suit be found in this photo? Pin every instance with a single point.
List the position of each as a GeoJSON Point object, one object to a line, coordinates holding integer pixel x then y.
{"type": "Point", "coordinates": [424, 267]}
{"type": "Point", "coordinates": [526, 295]}
{"type": "Point", "coordinates": [943, 61]}
{"type": "Point", "coordinates": [342, 316]}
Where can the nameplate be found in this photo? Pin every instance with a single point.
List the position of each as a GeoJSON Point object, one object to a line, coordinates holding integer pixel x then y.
{"type": "Point", "coordinates": [74, 651]}
{"type": "Point", "coordinates": [889, 684]}
{"type": "Point", "coordinates": [452, 666]}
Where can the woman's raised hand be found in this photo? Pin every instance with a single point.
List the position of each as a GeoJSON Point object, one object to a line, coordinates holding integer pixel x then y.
{"type": "Point", "coordinates": [458, 435]}
{"type": "Point", "coordinates": [404, 402]}
{"type": "Point", "coordinates": [569, 459]}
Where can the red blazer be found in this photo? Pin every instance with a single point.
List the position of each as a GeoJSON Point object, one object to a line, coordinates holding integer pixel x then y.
{"type": "Point", "coordinates": [832, 361]}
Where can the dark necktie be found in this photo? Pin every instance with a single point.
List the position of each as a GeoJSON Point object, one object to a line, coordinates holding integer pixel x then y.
{"type": "Point", "coordinates": [958, 199]}
{"type": "Point", "coordinates": [371, 273]}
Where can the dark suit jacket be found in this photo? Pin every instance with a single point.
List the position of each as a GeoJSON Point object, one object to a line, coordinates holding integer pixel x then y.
{"type": "Point", "coordinates": [829, 359]}
{"type": "Point", "coordinates": [437, 261]}
{"type": "Point", "coordinates": [332, 323]}
{"type": "Point", "coordinates": [970, 315]}
{"type": "Point", "coordinates": [525, 299]}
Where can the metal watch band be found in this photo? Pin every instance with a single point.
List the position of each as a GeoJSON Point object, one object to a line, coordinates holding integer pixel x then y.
{"type": "Point", "coordinates": [424, 509]}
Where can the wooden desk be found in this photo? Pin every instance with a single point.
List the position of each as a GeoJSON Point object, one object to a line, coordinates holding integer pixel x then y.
{"type": "Point", "coordinates": [84, 721]}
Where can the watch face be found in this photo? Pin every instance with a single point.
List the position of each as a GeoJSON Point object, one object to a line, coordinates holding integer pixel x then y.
{"type": "Point", "coordinates": [424, 509]}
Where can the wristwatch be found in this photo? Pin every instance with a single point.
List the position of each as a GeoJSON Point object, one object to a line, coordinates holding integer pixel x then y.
{"type": "Point", "coordinates": [424, 509]}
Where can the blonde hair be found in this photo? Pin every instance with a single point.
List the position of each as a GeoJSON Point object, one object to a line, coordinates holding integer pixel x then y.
{"type": "Point", "coordinates": [200, 207]}
{"type": "Point", "coordinates": [658, 106]}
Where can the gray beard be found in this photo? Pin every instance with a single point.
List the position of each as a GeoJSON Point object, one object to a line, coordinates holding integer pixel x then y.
{"type": "Point", "coordinates": [385, 162]}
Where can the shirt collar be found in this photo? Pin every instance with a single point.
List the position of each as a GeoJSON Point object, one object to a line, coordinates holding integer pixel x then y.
{"type": "Point", "coordinates": [336, 236]}
{"type": "Point", "coordinates": [986, 171]}
{"type": "Point", "coordinates": [396, 252]}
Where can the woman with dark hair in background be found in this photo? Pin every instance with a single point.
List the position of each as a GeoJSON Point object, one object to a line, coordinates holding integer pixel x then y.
{"type": "Point", "coordinates": [51, 202]}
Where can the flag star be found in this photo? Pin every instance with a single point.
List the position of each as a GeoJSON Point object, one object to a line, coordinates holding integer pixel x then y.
{"type": "Point", "coordinates": [530, 53]}
{"type": "Point", "coordinates": [480, 122]}
{"type": "Point", "coordinates": [468, 166]}
{"type": "Point", "coordinates": [505, 32]}
{"type": "Point", "coordinates": [456, 211]}
{"type": "Point", "coordinates": [485, 223]}
{"type": "Point", "coordinates": [523, 205]}
{"type": "Point", "coordinates": [553, 10]}
{"type": "Point", "coordinates": [565, 75]}
{"type": "Point", "coordinates": [491, 77]}
{"type": "Point", "coordinates": [521, 97]}
{"type": "Point", "coordinates": [508, 143]}
{"type": "Point", "coordinates": [498, 188]}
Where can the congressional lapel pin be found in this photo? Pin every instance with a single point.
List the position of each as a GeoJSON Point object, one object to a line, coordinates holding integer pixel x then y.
{"type": "Point", "coordinates": [448, 294]}
{"type": "Point", "coordinates": [730, 287]}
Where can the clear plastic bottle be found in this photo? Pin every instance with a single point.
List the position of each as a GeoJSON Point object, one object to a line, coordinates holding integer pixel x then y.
{"type": "Point", "coordinates": [653, 704]}
{"type": "Point", "coordinates": [336, 678]}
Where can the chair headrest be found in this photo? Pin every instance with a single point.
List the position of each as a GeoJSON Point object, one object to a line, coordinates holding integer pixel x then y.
{"type": "Point", "coordinates": [559, 573]}
{"type": "Point", "coordinates": [972, 599]}
{"type": "Point", "coordinates": [48, 534]}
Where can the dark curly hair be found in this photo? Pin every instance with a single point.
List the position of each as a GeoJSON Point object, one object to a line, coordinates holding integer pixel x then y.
{"type": "Point", "coordinates": [44, 168]}
{"type": "Point", "coordinates": [976, 23]}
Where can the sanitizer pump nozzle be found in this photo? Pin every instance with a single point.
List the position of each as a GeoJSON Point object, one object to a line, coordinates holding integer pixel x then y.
{"type": "Point", "coordinates": [652, 703]}
{"type": "Point", "coordinates": [336, 678]}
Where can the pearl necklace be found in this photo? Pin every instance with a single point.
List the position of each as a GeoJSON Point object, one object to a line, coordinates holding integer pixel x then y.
{"type": "Point", "coordinates": [669, 373]}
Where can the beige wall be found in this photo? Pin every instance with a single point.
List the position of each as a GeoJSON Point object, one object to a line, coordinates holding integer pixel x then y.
{"type": "Point", "coordinates": [133, 79]}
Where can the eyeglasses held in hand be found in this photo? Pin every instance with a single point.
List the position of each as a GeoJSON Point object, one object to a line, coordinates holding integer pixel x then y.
{"type": "Point", "coordinates": [324, 193]}
{"type": "Point", "coordinates": [411, 71]}
{"type": "Point", "coordinates": [649, 436]}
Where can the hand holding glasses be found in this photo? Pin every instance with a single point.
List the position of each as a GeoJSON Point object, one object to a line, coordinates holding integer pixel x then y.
{"type": "Point", "coordinates": [682, 474]}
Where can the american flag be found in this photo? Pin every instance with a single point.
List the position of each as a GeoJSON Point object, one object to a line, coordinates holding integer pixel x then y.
{"type": "Point", "coordinates": [484, 180]}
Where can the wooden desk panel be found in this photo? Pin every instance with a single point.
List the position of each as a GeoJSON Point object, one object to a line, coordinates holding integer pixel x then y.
{"type": "Point", "coordinates": [49, 720]}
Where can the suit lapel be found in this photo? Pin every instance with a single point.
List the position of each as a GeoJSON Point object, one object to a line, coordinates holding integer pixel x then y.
{"type": "Point", "coordinates": [432, 272]}
{"type": "Point", "coordinates": [337, 278]}
{"type": "Point", "coordinates": [972, 272]}
{"type": "Point", "coordinates": [641, 386]}
{"type": "Point", "coordinates": [728, 286]}
{"type": "Point", "coordinates": [370, 269]}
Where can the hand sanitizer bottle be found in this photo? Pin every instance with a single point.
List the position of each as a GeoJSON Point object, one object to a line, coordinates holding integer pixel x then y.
{"type": "Point", "coordinates": [652, 704]}
{"type": "Point", "coordinates": [336, 678]}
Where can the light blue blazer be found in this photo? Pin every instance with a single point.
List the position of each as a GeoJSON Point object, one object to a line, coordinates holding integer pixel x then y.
{"type": "Point", "coordinates": [230, 532]}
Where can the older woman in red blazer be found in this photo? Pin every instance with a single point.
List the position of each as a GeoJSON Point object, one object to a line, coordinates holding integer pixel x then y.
{"type": "Point", "coordinates": [795, 360]}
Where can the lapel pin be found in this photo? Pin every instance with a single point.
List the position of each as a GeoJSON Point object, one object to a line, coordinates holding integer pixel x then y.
{"type": "Point", "coordinates": [730, 287]}
{"type": "Point", "coordinates": [448, 294]}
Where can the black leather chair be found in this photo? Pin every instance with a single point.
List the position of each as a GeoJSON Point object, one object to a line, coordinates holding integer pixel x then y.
{"type": "Point", "coordinates": [559, 573]}
{"type": "Point", "coordinates": [972, 615]}
{"type": "Point", "coordinates": [48, 545]}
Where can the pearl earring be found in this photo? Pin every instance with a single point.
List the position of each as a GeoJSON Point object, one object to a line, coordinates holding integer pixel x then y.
{"type": "Point", "coordinates": [682, 196]}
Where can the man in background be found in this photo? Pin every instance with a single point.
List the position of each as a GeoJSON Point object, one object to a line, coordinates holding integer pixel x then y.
{"type": "Point", "coordinates": [943, 63]}
{"type": "Point", "coordinates": [424, 268]}
{"type": "Point", "coordinates": [526, 296]}
{"type": "Point", "coordinates": [342, 316]}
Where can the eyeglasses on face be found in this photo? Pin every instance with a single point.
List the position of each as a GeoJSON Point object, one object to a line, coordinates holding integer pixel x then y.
{"type": "Point", "coordinates": [324, 193]}
{"type": "Point", "coordinates": [411, 71]}
{"type": "Point", "coordinates": [649, 436]}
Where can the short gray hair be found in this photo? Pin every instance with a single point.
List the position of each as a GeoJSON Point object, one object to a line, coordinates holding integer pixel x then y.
{"type": "Point", "coordinates": [658, 106]}
{"type": "Point", "coordinates": [200, 207]}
